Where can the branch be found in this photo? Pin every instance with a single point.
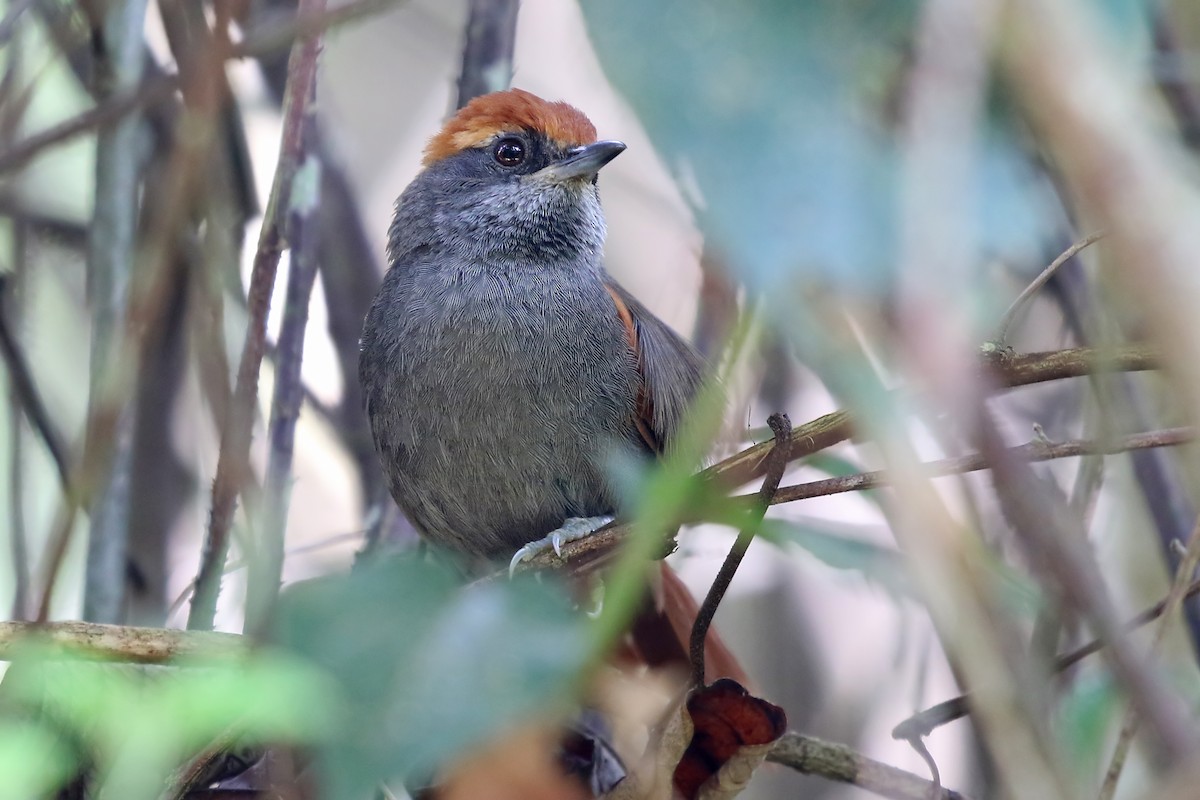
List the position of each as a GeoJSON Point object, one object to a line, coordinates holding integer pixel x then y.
{"type": "Point", "coordinates": [837, 762]}
{"type": "Point", "coordinates": [306, 24]}
{"type": "Point", "coordinates": [1032, 452]}
{"type": "Point", "coordinates": [91, 640]}
{"type": "Point", "coordinates": [781, 426]}
{"type": "Point", "coordinates": [116, 107]}
{"type": "Point", "coordinates": [1005, 369]}
{"type": "Point", "coordinates": [1011, 371]}
{"type": "Point", "coordinates": [110, 259]}
{"type": "Point", "coordinates": [488, 49]}
{"type": "Point", "coordinates": [233, 461]}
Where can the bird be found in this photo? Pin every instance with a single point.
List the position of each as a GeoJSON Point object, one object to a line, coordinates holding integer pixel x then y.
{"type": "Point", "coordinates": [502, 367]}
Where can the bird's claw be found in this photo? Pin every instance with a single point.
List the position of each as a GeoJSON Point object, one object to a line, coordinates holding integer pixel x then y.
{"type": "Point", "coordinates": [572, 528]}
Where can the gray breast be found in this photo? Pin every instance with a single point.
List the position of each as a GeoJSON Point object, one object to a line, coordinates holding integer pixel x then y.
{"type": "Point", "coordinates": [494, 395]}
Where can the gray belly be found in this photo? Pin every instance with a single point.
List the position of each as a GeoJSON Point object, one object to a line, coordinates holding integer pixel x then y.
{"type": "Point", "coordinates": [497, 409]}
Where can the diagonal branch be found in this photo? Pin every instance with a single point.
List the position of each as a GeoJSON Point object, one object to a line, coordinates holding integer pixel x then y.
{"type": "Point", "coordinates": [21, 377]}
{"type": "Point", "coordinates": [781, 426]}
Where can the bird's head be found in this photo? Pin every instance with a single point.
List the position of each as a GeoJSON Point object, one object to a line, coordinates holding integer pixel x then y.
{"type": "Point", "coordinates": [511, 177]}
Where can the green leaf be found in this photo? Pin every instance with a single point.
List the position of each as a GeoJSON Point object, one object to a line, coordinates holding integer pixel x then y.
{"type": "Point", "coordinates": [1089, 707]}
{"type": "Point", "coordinates": [828, 543]}
{"type": "Point", "coordinates": [33, 760]}
{"type": "Point", "coordinates": [834, 545]}
{"type": "Point", "coordinates": [142, 722]}
{"type": "Point", "coordinates": [779, 119]}
{"type": "Point", "coordinates": [427, 668]}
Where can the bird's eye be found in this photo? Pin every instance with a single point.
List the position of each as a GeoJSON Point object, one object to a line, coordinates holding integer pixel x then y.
{"type": "Point", "coordinates": [509, 152]}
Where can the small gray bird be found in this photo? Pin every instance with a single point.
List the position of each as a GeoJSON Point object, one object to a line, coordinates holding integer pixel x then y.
{"type": "Point", "coordinates": [500, 363]}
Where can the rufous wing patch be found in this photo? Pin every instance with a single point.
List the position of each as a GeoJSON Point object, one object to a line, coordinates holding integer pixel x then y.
{"type": "Point", "coordinates": [644, 414]}
{"type": "Point", "coordinates": [515, 110]}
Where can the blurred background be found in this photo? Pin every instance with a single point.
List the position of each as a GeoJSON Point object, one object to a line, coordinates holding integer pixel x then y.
{"type": "Point", "coordinates": [870, 184]}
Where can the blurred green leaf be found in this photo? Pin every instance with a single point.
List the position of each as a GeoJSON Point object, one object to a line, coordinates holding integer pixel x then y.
{"type": "Point", "coordinates": [778, 118]}
{"type": "Point", "coordinates": [33, 760]}
{"type": "Point", "coordinates": [428, 668]}
{"type": "Point", "coordinates": [836, 545]}
{"type": "Point", "coordinates": [141, 723]}
{"type": "Point", "coordinates": [1089, 707]}
{"type": "Point", "coordinates": [829, 543]}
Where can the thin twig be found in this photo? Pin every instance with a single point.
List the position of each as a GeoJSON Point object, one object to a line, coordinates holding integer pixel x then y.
{"type": "Point", "coordinates": [305, 24]}
{"type": "Point", "coordinates": [234, 566]}
{"type": "Point", "coordinates": [18, 536]}
{"type": "Point", "coordinates": [837, 762]}
{"type": "Point", "coordinates": [1032, 452]}
{"type": "Point", "coordinates": [930, 719]}
{"type": "Point", "coordinates": [21, 379]}
{"type": "Point", "coordinates": [781, 426]}
{"type": "Point", "coordinates": [302, 233]}
{"type": "Point", "coordinates": [233, 461]}
{"type": "Point", "coordinates": [1035, 286]}
{"type": "Point", "coordinates": [1183, 576]}
{"type": "Point", "coordinates": [1011, 371]}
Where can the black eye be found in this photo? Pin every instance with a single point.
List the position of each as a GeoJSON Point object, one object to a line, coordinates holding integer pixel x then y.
{"type": "Point", "coordinates": [509, 152]}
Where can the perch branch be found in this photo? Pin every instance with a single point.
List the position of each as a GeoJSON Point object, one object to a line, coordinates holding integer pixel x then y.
{"type": "Point", "coordinates": [586, 551]}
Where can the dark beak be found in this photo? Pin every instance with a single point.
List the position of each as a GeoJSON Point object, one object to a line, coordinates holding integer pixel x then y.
{"type": "Point", "coordinates": [582, 162]}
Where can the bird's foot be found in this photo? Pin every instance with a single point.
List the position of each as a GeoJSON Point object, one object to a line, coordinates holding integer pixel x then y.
{"type": "Point", "coordinates": [572, 528]}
